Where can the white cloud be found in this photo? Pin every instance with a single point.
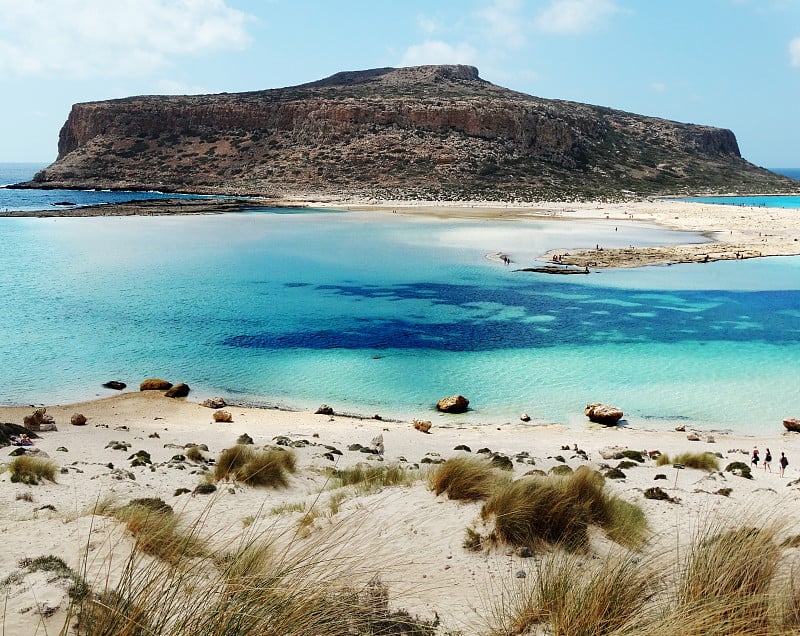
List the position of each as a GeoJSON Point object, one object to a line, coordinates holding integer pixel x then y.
{"type": "Point", "coordinates": [794, 52]}
{"type": "Point", "coordinates": [575, 16]}
{"type": "Point", "coordinates": [436, 52]}
{"type": "Point", "coordinates": [81, 38]}
{"type": "Point", "coordinates": [504, 23]}
{"type": "Point", "coordinates": [427, 24]}
{"type": "Point", "coordinates": [658, 87]}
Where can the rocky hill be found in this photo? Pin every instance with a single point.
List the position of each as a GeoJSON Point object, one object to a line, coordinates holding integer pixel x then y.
{"type": "Point", "coordinates": [430, 132]}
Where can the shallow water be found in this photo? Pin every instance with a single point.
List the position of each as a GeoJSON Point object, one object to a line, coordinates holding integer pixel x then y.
{"type": "Point", "coordinates": [385, 313]}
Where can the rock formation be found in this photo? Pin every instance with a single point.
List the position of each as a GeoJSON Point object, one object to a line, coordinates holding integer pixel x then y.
{"type": "Point", "coordinates": [155, 384]}
{"type": "Point", "coordinates": [603, 413]}
{"type": "Point", "coordinates": [453, 404]}
{"type": "Point", "coordinates": [429, 132]}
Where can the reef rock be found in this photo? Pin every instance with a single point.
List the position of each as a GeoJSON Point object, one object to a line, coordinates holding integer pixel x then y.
{"type": "Point", "coordinates": [155, 384]}
{"type": "Point", "coordinates": [179, 390]}
{"type": "Point", "coordinates": [603, 413]}
{"type": "Point", "coordinates": [792, 424]}
{"type": "Point", "coordinates": [453, 404]}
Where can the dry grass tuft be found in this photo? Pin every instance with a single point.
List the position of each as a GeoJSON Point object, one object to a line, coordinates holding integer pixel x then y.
{"type": "Point", "coordinates": [465, 478]}
{"type": "Point", "coordinates": [368, 478]}
{"type": "Point", "coordinates": [559, 509]}
{"type": "Point", "coordinates": [700, 461]}
{"type": "Point", "coordinates": [267, 468]}
{"type": "Point", "coordinates": [30, 470]}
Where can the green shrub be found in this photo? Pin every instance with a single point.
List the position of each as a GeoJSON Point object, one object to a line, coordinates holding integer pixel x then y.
{"type": "Point", "coordinates": [700, 461]}
{"type": "Point", "coordinates": [740, 469]}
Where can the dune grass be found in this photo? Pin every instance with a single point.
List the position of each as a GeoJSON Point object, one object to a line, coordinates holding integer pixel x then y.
{"type": "Point", "coordinates": [700, 461]}
{"type": "Point", "coordinates": [466, 478]}
{"type": "Point", "coordinates": [728, 582]}
{"type": "Point", "coordinates": [574, 598]}
{"type": "Point", "coordinates": [560, 509]}
{"type": "Point", "coordinates": [32, 471]}
{"type": "Point", "coordinates": [367, 478]}
{"type": "Point", "coordinates": [257, 585]}
{"type": "Point", "coordinates": [259, 468]}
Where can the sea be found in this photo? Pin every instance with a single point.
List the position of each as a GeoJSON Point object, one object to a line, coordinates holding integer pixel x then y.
{"type": "Point", "coordinates": [386, 313]}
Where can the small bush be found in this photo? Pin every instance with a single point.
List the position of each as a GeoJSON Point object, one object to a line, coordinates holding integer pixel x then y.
{"type": "Point", "coordinates": [32, 470]}
{"type": "Point", "coordinates": [156, 531]}
{"type": "Point", "coordinates": [630, 454]}
{"type": "Point", "coordinates": [368, 478]}
{"type": "Point", "coordinates": [268, 467]}
{"type": "Point", "coordinates": [49, 563]}
{"type": "Point", "coordinates": [740, 469]}
{"type": "Point", "coordinates": [194, 454]}
{"type": "Point", "coordinates": [464, 479]}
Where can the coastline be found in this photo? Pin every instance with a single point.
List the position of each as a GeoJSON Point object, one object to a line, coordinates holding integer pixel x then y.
{"type": "Point", "coordinates": [733, 232]}
{"type": "Point", "coordinates": [409, 534]}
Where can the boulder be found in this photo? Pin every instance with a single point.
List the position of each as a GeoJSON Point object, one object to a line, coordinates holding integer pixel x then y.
{"type": "Point", "coordinates": [423, 426]}
{"type": "Point", "coordinates": [214, 403]}
{"type": "Point", "coordinates": [453, 404]}
{"type": "Point", "coordinates": [155, 384]}
{"type": "Point", "coordinates": [39, 421]}
{"type": "Point", "coordinates": [603, 413]}
{"type": "Point", "coordinates": [8, 430]}
{"type": "Point", "coordinates": [324, 409]}
{"type": "Point", "coordinates": [525, 417]}
{"type": "Point", "coordinates": [792, 424]}
{"type": "Point", "coordinates": [115, 384]}
{"type": "Point", "coordinates": [222, 416]}
{"type": "Point", "coordinates": [78, 419]}
{"type": "Point", "coordinates": [179, 390]}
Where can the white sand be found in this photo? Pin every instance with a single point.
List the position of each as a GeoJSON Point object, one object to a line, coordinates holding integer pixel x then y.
{"type": "Point", "coordinates": [413, 538]}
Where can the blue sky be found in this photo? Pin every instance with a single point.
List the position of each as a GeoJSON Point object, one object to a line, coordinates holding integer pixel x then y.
{"type": "Point", "coordinates": [728, 63]}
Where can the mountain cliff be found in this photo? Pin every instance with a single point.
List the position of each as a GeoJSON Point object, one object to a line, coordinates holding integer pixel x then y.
{"type": "Point", "coordinates": [429, 132]}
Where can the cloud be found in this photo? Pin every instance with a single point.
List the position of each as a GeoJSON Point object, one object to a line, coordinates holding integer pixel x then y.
{"type": "Point", "coordinates": [658, 87]}
{"type": "Point", "coordinates": [436, 52]}
{"type": "Point", "coordinates": [794, 52]}
{"type": "Point", "coordinates": [504, 23]}
{"type": "Point", "coordinates": [83, 38]}
{"type": "Point", "coordinates": [575, 16]}
{"type": "Point", "coordinates": [426, 24]}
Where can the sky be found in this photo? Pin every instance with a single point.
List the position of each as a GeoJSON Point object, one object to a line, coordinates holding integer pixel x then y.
{"type": "Point", "coordinates": [727, 63]}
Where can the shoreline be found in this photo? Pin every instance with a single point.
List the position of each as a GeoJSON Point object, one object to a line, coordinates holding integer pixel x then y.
{"type": "Point", "coordinates": [734, 231]}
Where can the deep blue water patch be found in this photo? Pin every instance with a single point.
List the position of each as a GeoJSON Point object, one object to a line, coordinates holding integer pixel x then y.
{"type": "Point", "coordinates": [537, 319]}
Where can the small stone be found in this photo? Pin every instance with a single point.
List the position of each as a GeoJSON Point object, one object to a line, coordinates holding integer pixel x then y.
{"type": "Point", "coordinates": [693, 437]}
{"type": "Point", "coordinates": [116, 385]}
{"type": "Point", "coordinates": [324, 409]}
{"type": "Point", "coordinates": [423, 426]}
{"type": "Point", "coordinates": [222, 416]}
{"type": "Point", "coordinates": [525, 417]}
{"type": "Point", "coordinates": [680, 428]}
{"type": "Point", "coordinates": [78, 419]}
{"type": "Point", "coordinates": [214, 403]}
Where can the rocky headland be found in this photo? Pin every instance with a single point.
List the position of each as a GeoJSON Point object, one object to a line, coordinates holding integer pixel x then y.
{"type": "Point", "coordinates": [418, 133]}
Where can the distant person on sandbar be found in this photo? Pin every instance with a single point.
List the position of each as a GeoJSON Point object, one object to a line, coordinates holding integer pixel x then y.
{"type": "Point", "coordinates": [768, 461]}
{"type": "Point", "coordinates": [784, 462]}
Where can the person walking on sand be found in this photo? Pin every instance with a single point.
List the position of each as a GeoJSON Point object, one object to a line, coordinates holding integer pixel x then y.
{"type": "Point", "coordinates": [783, 462]}
{"type": "Point", "coordinates": [768, 461]}
{"type": "Point", "coordinates": [754, 457]}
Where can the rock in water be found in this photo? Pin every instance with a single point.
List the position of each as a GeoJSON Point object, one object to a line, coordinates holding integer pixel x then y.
{"type": "Point", "coordinates": [115, 384]}
{"type": "Point", "coordinates": [179, 390]}
{"type": "Point", "coordinates": [792, 424]}
{"type": "Point", "coordinates": [324, 409]}
{"type": "Point", "coordinates": [214, 403]}
{"type": "Point", "coordinates": [453, 404]}
{"type": "Point", "coordinates": [603, 413]}
{"type": "Point", "coordinates": [155, 384]}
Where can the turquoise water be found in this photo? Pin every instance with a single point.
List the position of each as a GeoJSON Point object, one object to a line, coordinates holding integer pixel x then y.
{"type": "Point", "coordinates": [381, 313]}
{"type": "Point", "coordinates": [385, 313]}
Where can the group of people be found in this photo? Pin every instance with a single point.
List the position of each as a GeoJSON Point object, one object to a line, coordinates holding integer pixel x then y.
{"type": "Point", "coordinates": [755, 459]}
{"type": "Point", "coordinates": [21, 440]}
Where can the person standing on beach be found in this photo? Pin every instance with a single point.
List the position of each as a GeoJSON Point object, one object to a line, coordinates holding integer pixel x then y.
{"type": "Point", "coordinates": [784, 462]}
{"type": "Point", "coordinates": [754, 457]}
{"type": "Point", "coordinates": [768, 461]}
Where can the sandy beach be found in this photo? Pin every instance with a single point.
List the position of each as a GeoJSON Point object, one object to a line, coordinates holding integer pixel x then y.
{"type": "Point", "coordinates": [411, 538]}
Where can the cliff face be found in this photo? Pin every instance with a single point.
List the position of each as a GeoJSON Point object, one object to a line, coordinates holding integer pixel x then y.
{"type": "Point", "coordinates": [420, 132]}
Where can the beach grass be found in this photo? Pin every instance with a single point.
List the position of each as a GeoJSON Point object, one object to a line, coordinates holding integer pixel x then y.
{"type": "Point", "coordinates": [29, 470]}
{"type": "Point", "coordinates": [700, 461]}
{"type": "Point", "coordinates": [559, 510]}
{"type": "Point", "coordinates": [465, 478]}
{"type": "Point", "coordinates": [260, 468]}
